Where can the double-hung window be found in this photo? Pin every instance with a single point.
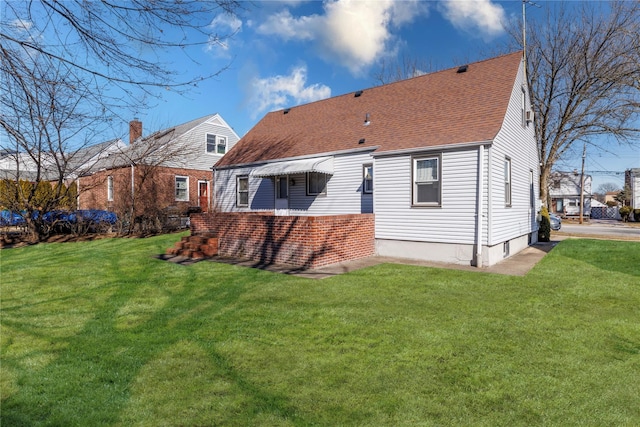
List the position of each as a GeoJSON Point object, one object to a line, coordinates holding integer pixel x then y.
{"type": "Point", "coordinates": [426, 181]}
{"type": "Point", "coordinates": [242, 191]}
{"type": "Point", "coordinates": [316, 183]}
{"type": "Point", "coordinates": [367, 178]}
{"type": "Point", "coordinates": [507, 182]}
{"type": "Point", "coordinates": [216, 144]}
{"type": "Point", "coordinates": [182, 188]}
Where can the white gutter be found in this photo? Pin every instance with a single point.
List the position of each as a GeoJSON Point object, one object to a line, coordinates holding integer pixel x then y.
{"type": "Point", "coordinates": [441, 147]}
{"type": "Point", "coordinates": [480, 197]}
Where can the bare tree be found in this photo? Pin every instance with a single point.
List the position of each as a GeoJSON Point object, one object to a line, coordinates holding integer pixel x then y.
{"type": "Point", "coordinates": [404, 68]}
{"type": "Point", "coordinates": [116, 43]}
{"type": "Point", "coordinates": [69, 68]}
{"type": "Point", "coordinates": [47, 127]}
{"type": "Point", "coordinates": [584, 77]}
{"type": "Point", "coordinates": [144, 175]}
{"type": "Point", "coordinates": [607, 187]}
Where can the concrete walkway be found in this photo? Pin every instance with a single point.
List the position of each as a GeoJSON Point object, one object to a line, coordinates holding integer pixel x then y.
{"type": "Point", "coordinates": [517, 265]}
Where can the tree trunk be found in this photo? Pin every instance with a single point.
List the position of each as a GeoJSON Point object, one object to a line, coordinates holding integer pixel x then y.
{"type": "Point", "coordinates": [545, 170]}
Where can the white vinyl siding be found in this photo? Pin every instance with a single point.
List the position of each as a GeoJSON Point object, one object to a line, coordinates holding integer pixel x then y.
{"type": "Point", "coordinates": [261, 196]}
{"type": "Point", "coordinates": [517, 143]}
{"type": "Point", "coordinates": [344, 190]}
{"type": "Point", "coordinates": [453, 222]}
{"type": "Point", "coordinates": [187, 150]}
{"type": "Point", "coordinates": [182, 188]}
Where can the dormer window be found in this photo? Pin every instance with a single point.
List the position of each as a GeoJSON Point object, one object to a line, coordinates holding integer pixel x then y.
{"type": "Point", "coordinates": [216, 144]}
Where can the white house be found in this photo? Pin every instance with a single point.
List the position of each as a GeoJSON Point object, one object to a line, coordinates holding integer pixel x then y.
{"type": "Point", "coordinates": [445, 164]}
{"type": "Point", "coordinates": [179, 157]}
{"type": "Point", "coordinates": [632, 181]}
{"type": "Point", "coordinates": [565, 189]}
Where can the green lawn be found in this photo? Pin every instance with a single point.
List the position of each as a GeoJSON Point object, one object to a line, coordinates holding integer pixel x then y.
{"type": "Point", "coordinates": [102, 333]}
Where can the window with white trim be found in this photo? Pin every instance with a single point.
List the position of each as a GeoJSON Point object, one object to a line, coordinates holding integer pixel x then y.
{"type": "Point", "coordinates": [316, 184]}
{"type": "Point", "coordinates": [242, 191]}
{"type": "Point", "coordinates": [216, 144]}
{"type": "Point", "coordinates": [110, 188]}
{"type": "Point", "coordinates": [532, 193]}
{"type": "Point", "coordinates": [182, 188]}
{"type": "Point", "coordinates": [507, 182]}
{"type": "Point", "coordinates": [426, 181]}
{"type": "Point", "coordinates": [367, 178]}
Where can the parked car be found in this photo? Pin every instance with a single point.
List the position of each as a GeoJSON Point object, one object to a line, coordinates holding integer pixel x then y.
{"type": "Point", "coordinates": [556, 222]}
{"type": "Point", "coordinates": [62, 221]}
{"type": "Point", "coordinates": [10, 219]}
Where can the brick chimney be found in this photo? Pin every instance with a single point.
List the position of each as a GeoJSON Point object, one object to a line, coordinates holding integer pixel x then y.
{"type": "Point", "coordinates": [135, 130]}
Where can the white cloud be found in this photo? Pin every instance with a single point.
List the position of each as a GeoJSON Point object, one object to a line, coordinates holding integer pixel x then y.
{"type": "Point", "coordinates": [271, 93]}
{"type": "Point", "coordinates": [350, 32]}
{"type": "Point", "coordinates": [21, 24]}
{"type": "Point", "coordinates": [475, 16]}
{"type": "Point", "coordinates": [224, 26]}
{"type": "Point", "coordinates": [286, 26]}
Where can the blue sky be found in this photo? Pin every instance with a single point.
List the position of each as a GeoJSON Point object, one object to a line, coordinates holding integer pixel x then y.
{"type": "Point", "coordinates": [290, 52]}
{"type": "Point", "coordinates": [293, 52]}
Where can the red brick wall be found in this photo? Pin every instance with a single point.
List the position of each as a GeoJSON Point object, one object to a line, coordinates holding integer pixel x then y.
{"type": "Point", "coordinates": [295, 240]}
{"type": "Point", "coordinates": [155, 189]}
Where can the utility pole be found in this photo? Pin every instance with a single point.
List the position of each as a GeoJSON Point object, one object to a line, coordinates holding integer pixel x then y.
{"type": "Point", "coordinates": [524, 35]}
{"type": "Point", "coordinates": [584, 156]}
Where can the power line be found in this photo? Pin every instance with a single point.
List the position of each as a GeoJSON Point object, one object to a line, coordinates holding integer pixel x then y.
{"type": "Point", "coordinates": [604, 172]}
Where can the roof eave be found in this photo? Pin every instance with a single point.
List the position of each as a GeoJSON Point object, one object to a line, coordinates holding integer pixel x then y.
{"type": "Point", "coordinates": [440, 147]}
{"type": "Point", "coordinates": [285, 159]}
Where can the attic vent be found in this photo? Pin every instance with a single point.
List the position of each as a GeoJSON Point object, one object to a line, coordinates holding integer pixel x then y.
{"type": "Point", "coordinates": [286, 111]}
{"type": "Point", "coordinates": [361, 141]}
{"type": "Point", "coordinates": [462, 69]}
{"type": "Point", "coordinates": [357, 94]}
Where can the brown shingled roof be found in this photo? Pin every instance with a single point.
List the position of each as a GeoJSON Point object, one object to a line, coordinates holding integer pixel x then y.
{"type": "Point", "coordinates": [435, 109]}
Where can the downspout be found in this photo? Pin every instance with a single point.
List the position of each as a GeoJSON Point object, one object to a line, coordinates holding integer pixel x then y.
{"type": "Point", "coordinates": [479, 224]}
{"type": "Point", "coordinates": [212, 193]}
{"type": "Point", "coordinates": [78, 193]}
{"type": "Point", "coordinates": [133, 189]}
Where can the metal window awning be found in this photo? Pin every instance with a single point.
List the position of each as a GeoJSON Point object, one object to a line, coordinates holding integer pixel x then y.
{"type": "Point", "coordinates": [292, 167]}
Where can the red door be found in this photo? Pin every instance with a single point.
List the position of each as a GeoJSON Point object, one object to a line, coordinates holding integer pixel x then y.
{"type": "Point", "coordinates": [203, 195]}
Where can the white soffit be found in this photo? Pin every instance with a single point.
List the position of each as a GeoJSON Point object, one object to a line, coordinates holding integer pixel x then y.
{"type": "Point", "coordinates": [292, 167]}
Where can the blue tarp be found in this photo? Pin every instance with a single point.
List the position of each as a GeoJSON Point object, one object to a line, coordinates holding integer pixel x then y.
{"type": "Point", "coordinates": [8, 218]}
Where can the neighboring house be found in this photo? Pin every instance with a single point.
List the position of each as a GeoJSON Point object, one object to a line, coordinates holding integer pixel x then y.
{"type": "Point", "coordinates": [632, 182]}
{"type": "Point", "coordinates": [565, 189]}
{"type": "Point", "coordinates": [610, 197]}
{"type": "Point", "coordinates": [441, 167]}
{"type": "Point", "coordinates": [169, 169]}
{"type": "Point", "coordinates": [69, 166]}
